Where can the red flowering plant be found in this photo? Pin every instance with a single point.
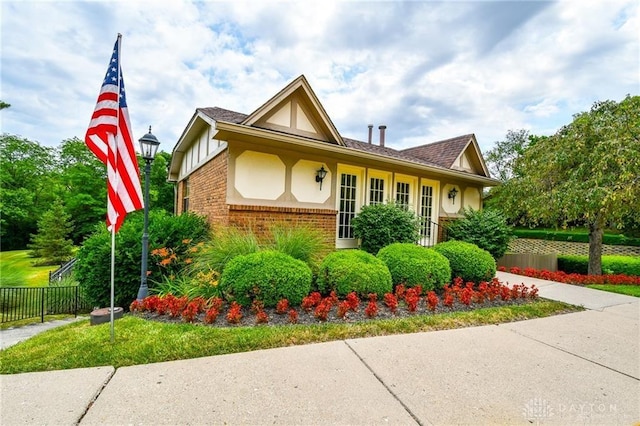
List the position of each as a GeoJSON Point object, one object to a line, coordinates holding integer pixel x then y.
{"type": "Point", "coordinates": [262, 317]}
{"type": "Point", "coordinates": [191, 311]}
{"type": "Point", "coordinates": [412, 298]}
{"type": "Point", "coordinates": [391, 301]}
{"type": "Point", "coordinates": [282, 307]}
{"type": "Point", "coordinates": [353, 300]}
{"type": "Point", "coordinates": [432, 300]}
{"type": "Point", "coordinates": [576, 279]}
{"type": "Point", "coordinates": [343, 309]}
{"type": "Point", "coordinates": [323, 308]}
{"type": "Point", "coordinates": [234, 315]}
{"type": "Point", "coordinates": [293, 316]}
{"type": "Point", "coordinates": [372, 308]}
{"type": "Point", "coordinates": [211, 315]}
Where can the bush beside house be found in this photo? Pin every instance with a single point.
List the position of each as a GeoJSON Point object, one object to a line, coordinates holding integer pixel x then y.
{"type": "Point", "coordinates": [414, 265]}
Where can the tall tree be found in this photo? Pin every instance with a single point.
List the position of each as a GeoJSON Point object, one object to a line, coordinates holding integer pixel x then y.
{"type": "Point", "coordinates": [501, 160]}
{"type": "Point", "coordinates": [83, 179]}
{"type": "Point", "coordinates": [589, 172]}
{"type": "Point", "coordinates": [160, 191]}
{"type": "Point", "coordinates": [27, 188]}
{"type": "Point", "coordinates": [503, 163]}
{"type": "Point", "coordinates": [51, 242]}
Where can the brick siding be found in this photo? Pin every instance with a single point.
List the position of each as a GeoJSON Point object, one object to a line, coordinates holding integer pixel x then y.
{"type": "Point", "coordinates": [208, 191]}
{"type": "Point", "coordinates": [260, 218]}
{"type": "Point", "coordinates": [527, 245]}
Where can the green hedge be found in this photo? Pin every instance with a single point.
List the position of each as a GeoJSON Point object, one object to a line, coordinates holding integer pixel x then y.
{"type": "Point", "coordinates": [468, 261]}
{"type": "Point", "coordinates": [628, 265]}
{"type": "Point", "coordinates": [413, 265]}
{"type": "Point", "coordinates": [354, 270]}
{"type": "Point", "coordinates": [93, 268]}
{"type": "Point", "coordinates": [575, 237]}
{"type": "Point", "coordinates": [267, 276]}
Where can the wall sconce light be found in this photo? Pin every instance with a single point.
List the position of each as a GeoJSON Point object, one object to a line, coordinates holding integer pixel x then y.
{"type": "Point", "coordinates": [452, 195]}
{"type": "Point", "coordinates": [320, 175]}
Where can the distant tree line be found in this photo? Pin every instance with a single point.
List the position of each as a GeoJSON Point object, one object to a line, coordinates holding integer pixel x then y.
{"type": "Point", "coordinates": [36, 179]}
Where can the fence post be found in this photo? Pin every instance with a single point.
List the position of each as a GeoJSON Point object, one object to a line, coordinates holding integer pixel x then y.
{"type": "Point", "coordinates": [42, 305]}
{"type": "Point", "coordinates": [75, 308]}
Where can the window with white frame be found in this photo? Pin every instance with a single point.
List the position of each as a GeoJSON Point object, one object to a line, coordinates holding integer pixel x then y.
{"type": "Point", "coordinates": [376, 190]}
{"type": "Point", "coordinates": [403, 191]}
{"type": "Point", "coordinates": [348, 204]}
{"type": "Point", "coordinates": [185, 195]}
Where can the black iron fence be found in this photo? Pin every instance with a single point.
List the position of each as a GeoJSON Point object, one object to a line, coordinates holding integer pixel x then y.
{"type": "Point", "coordinates": [17, 303]}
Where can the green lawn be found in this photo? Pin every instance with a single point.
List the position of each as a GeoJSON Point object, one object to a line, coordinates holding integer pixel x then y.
{"type": "Point", "coordinates": [629, 290]}
{"type": "Point", "coordinates": [139, 341]}
{"type": "Point", "coordinates": [17, 270]}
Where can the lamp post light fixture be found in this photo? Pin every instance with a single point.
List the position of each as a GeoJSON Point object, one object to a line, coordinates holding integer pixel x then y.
{"type": "Point", "coordinates": [148, 147]}
{"type": "Point", "coordinates": [320, 175]}
{"type": "Point", "coordinates": [452, 195]}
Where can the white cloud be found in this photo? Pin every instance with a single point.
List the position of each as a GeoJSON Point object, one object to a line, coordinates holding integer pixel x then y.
{"type": "Point", "coordinates": [428, 70]}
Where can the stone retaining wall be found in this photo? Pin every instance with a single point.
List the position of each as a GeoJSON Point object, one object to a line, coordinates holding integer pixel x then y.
{"type": "Point", "coordinates": [527, 245]}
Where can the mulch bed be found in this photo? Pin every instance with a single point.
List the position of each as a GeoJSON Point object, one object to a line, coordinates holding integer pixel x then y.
{"type": "Point", "coordinates": [308, 318]}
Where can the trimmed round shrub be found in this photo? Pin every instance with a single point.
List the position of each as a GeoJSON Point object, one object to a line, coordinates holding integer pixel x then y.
{"type": "Point", "coordinates": [468, 261]}
{"type": "Point", "coordinates": [267, 276]}
{"type": "Point", "coordinates": [413, 265]}
{"type": "Point", "coordinates": [353, 270]}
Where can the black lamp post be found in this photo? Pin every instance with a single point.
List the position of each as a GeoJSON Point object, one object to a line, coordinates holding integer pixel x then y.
{"type": "Point", "coordinates": [148, 147]}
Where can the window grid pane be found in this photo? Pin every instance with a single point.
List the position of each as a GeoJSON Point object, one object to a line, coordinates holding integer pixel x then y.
{"type": "Point", "coordinates": [402, 194]}
{"type": "Point", "coordinates": [426, 210]}
{"type": "Point", "coordinates": [376, 192]}
{"type": "Point", "coordinates": [347, 205]}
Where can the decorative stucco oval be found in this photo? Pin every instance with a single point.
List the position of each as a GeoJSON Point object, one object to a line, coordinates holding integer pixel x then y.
{"type": "Point", "coordinates": [472, 198]}
{"type": "Point", "coordinates": [451, 205]}
{"type": "Point", "coordinates": [303, 182]}
{"type": "Point", "coordinates": [259, 175]}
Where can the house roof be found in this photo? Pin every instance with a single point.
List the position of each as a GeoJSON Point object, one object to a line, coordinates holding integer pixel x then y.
{"type": "Point", "coordinates": [437, 154]}
{"type": "Point", "coordinates": [442, 153]}
{"type": "Point", "coordinates": [446, 155]}
{"type": "Point", "coordinates": [221, 114]}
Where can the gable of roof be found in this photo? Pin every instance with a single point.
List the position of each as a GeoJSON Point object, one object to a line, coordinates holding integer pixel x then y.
{"type": "Point", "coordinates": [296, 110]}
{"type": "Point", "coordinates": [450, 153]}
{"type": "Point", "coordinates": [444, 153]}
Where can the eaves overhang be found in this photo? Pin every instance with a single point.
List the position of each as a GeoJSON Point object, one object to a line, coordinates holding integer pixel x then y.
{"type": "Point", "coordinates": [197, 123]}
{"type": "Point", "coordinates": [229, 132]}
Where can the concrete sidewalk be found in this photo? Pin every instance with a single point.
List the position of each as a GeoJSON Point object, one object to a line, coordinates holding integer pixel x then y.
{"type": "Point", "coordinates": [569, 369]}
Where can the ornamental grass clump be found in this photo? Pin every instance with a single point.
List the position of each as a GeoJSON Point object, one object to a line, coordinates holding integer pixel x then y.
{"type": "Point", "coordinates": [468, 261]}
{"type": "Point", "coordinates": [413, 265]}
{"type": "Point", "coordinates": [356, 271]}
{"type": "Point", "coordinates": [268, 276]}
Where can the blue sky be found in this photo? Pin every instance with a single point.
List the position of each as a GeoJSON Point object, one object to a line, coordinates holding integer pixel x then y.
{"type": "Point", "coordinates": [428, 70]}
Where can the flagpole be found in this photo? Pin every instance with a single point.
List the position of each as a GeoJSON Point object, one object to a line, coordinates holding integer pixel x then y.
{"type": "Point", "coordinates": [113, 225]}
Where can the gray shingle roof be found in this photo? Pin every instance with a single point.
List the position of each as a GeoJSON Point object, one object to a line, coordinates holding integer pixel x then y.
{"type": "Point", "coordinates": [442, 153]}
{"type": "Point", "coordinates": [221, 114]}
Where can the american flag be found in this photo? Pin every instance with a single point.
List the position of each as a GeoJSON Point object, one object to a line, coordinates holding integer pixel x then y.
{"type": "Point", "coordinates": [109, 138]}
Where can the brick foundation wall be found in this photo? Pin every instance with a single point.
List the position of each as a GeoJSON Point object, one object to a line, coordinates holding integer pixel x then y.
{"type": "Point", "coordinates": [260, 219]}
{"type": "Point", "coordinates": [527, 245]}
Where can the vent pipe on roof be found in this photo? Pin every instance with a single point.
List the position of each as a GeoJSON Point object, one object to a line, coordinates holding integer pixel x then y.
{"type": "Point", "coordinates": [382, 129]}
{"type": "Point", "coordinates": [370, 132]}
